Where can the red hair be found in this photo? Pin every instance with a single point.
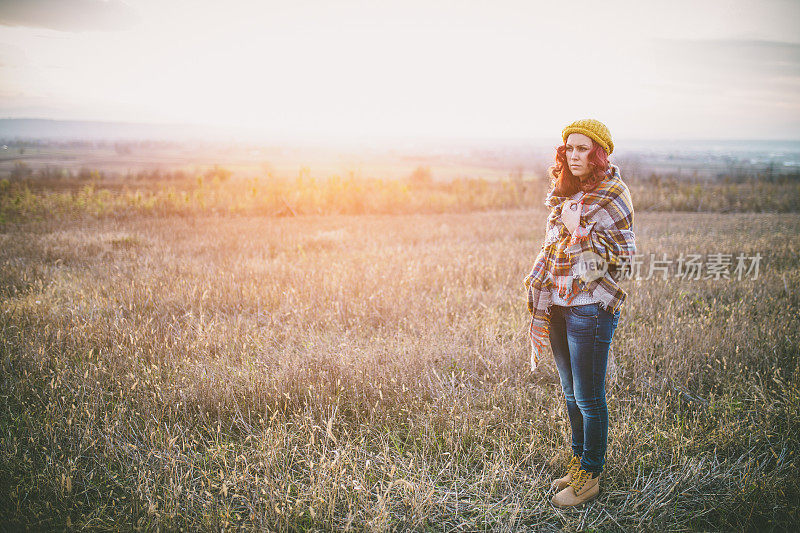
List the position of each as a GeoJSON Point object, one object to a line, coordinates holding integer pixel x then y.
{"type": "Point", "coordinates": [565, 183]}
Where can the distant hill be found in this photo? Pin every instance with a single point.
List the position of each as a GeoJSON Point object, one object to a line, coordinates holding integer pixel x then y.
{"type": "Point", "coordinates": [83, 130]}
{"type": "Point", "coordinates": [35, 128]}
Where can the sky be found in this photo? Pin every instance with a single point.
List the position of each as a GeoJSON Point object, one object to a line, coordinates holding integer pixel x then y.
{"type": "Point", "coordinates": [503, 69]}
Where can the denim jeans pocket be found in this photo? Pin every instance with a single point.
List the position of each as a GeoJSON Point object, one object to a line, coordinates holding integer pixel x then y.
{"type": "Point", "coordinates": [585, 311]}
{"type": "Point", "coordinates": [615, 315]}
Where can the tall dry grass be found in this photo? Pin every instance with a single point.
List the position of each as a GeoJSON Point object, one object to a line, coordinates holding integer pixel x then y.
{"type": "Point", "coordinates": [371, 372]}
{"type": "Point", "coordinates": [48, 193]}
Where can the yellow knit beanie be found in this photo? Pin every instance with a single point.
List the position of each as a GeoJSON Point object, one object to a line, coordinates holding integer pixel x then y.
{"type": "Point", "coordinates": [591, 128]}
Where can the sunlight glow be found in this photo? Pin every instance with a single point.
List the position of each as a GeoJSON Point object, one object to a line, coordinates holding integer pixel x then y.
{"type": "Point", "coordinates": [355, 68]}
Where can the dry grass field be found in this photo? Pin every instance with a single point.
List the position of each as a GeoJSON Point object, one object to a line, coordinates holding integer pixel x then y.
{"type": "Point", "coordinates": [370, 372]}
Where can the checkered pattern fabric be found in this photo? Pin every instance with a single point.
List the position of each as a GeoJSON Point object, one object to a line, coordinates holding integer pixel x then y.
{"type": "Point", "coordinates": [606, 229]}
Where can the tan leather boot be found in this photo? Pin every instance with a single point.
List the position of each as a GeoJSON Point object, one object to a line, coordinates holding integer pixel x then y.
{"type": "Point", "coordinates": [574, 466]}
{"type": "Point", "coordinates": [582, 488]}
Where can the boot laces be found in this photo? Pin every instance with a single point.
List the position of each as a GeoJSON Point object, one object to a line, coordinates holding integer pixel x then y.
{"type": "Point", "coordinates": [574, 465]}
{"type": "Point", "coordinates": [579, 479]}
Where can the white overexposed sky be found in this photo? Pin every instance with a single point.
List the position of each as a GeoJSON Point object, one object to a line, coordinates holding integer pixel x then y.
{"type": "Point", "coordinates": [344, 68]}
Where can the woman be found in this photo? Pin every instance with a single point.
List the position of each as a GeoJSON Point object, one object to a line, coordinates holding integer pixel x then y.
{"type": "Point", "coordinates": [573, 296]}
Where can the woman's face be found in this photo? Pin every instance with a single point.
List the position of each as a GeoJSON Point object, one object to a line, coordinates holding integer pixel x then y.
{"type": "Point", "coordinates": [578, 148]}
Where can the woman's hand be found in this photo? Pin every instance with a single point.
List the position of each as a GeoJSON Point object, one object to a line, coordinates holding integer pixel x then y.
{"type": "Point", "coordinates": [571, 214]}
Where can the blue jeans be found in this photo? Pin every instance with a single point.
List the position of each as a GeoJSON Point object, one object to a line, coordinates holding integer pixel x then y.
{"type": "Point", "coordinates": [580, 337]}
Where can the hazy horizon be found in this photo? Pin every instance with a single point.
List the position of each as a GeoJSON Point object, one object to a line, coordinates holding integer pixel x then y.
{"type": "Point", "coordinates": [30, 129]}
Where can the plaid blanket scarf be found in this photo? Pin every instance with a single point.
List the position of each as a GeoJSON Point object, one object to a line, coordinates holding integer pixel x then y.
{"type": "Point", "coordinates": [606, 229]}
